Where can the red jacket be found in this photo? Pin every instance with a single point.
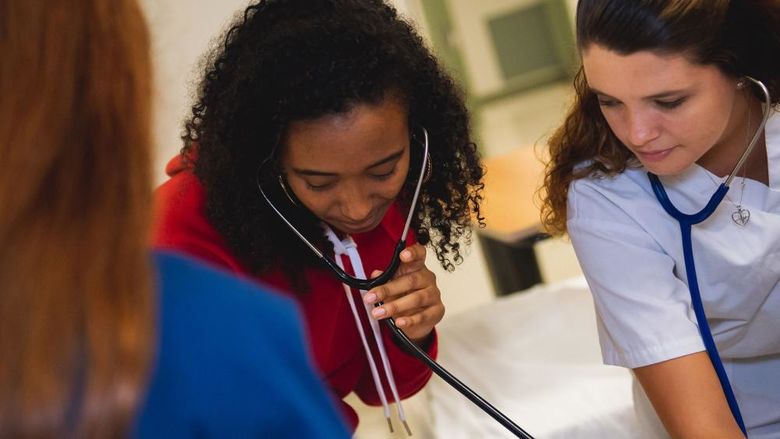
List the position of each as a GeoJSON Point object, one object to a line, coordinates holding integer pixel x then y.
{"type": "Point", "coordinates": [181, 225]}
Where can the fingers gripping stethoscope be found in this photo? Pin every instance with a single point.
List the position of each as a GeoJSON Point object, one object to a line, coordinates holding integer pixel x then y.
{"type": "Point", "coordinates": [686, 222]}
{"type": "Point", "coordinates": [387, 274]}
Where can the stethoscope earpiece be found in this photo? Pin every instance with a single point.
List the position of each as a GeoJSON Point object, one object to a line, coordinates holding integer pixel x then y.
{"type": "Point", "coordinates": [367, 284]}
{"type": "Point", "coordinates": [757, 135]}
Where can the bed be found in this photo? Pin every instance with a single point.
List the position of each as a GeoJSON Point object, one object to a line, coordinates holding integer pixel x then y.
{"type": "Point", "coordinates": [535, 356]}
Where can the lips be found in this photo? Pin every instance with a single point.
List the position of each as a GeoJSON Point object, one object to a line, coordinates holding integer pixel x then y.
{"type": "Point", "coordinates": [369, 223]}
{"type": "Point", "coordinates": [655, 155]}
{"type": "Point", "coordinates": [359, 227]}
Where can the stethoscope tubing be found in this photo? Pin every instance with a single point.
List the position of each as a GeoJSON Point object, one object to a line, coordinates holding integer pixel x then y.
{"type": "Point", "coordinates": [687, 221]}
{"type": "Point", "coordinates": [367, 284]}
{"type": "Point", "coordinates": [767, 108]}
{"type": "Point", "coordinates": [387, 274]}
{"type": "Point", "coordinates": [455, 383]}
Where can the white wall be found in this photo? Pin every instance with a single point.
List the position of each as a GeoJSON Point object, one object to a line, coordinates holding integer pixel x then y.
{"type": "Point", "coordinates": [472, 35]}
{"type": "Point", "coordinates": [524, 120]}
{"type": "Point", "coordinates": [182, 31]}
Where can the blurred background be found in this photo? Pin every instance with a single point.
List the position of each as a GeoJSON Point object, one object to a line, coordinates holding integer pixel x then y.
{"type": "Point", "coordinates": [514, 60]}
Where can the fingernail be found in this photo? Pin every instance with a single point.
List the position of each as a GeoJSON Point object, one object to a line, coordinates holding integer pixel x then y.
{"type": "Point", "coordinates": [378, 312]}
{"type": "Point", "coordinates": [400, 323]}
{"type": "Point", "coordinates": [369, 298]}
{"type": "Point", "coordinates": [406, 254]}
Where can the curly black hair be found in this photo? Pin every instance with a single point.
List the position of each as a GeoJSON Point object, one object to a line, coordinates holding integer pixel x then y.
{"type": "Point", "coordinates": [291, 60]}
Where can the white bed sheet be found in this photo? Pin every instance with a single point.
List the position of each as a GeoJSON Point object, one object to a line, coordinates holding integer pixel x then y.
{"type": "Point", "coordinates": [535, 356]}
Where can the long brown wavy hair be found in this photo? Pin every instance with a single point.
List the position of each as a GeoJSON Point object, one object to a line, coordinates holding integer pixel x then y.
{"type": "Point", "coordinates": [76, 305]}
{"type": "Point", "coordinates": [740, 37]}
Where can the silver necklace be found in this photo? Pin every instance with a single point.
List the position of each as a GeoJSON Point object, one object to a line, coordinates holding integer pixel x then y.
{"type": "Point", "coordinates": [740, 216]}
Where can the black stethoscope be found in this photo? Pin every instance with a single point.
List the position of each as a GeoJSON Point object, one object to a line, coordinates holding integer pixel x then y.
{"type": "Point", "coordinates": [367, 284]}
{"type": "Point", "coordinates": [686, 222]}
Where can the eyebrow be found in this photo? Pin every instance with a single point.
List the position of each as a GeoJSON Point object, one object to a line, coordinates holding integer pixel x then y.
{"type": "Point", "coordinates": [313, 172]}
{"type": "Point", "coordinates": [661, 95]}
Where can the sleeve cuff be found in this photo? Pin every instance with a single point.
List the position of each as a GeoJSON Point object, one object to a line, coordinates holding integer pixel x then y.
{"type": "Point", "coordinates": [654, 354]}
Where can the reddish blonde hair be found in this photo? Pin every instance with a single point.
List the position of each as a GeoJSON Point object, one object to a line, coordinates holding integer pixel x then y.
{"type": "Point", "coordinates": [77, 313]}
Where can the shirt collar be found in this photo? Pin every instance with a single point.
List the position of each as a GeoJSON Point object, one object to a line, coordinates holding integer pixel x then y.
{"type": "Point", "coordinates": [772, 132]}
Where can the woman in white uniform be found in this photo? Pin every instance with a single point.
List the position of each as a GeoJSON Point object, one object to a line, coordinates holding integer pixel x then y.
{"type": "Point", "coordinates": [663, 89]}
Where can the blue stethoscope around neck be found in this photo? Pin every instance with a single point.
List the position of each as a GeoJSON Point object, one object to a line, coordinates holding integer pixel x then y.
{"type": "Point", "coordinates": [367, 284]}
{"type": "Point", "coordinates": [687, 221]}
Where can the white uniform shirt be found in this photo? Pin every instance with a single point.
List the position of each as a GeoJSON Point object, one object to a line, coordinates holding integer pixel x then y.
{"type": "Point", "coordinates": [630, 250]}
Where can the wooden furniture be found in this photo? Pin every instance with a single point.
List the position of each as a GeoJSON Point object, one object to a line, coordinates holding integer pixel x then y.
{"type": "Point", "coordinates": [511, 211]}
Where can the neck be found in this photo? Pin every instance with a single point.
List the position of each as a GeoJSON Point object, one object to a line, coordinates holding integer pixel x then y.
{"type": "Point", "coordinates": [721, 159]}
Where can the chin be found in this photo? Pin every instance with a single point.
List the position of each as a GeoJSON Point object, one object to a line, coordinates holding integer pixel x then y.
{"type": "Point", "coordinates": [356, 230]}
{"type": "Point", "coordinates": [666, 169]}
{"type": "Point", "coordinates": [363, 227]}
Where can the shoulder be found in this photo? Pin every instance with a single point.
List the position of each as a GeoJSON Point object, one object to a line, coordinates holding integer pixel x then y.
{"type": "Point", "coordinates": [611, 198]}
{"type": "Point", "coordinates": [616, 213]}
{"type": "Point", "coordinates": [207, 307]}
{"type": "Point", "coordinates": [181, 188]}
{"type": "Point", "coordinates": [181, 224]}
{"type": "Point", "coordinates": [231, 358]}
{"type": "Point", "coordinates": [183, 279]}
{"type": "Point", "coordinates": [627, 247]}
{"type": "Point", "coordinates": [179, 204]}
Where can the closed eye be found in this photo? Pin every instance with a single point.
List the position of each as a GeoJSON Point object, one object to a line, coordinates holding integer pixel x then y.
{"type": "Point", "coordinates": [606, 102]}
{"type": "Point", "coordinates": [385, 175]}
{"type": "Point", "coordinates": [318, 187]}
{"type": "Point", "coordinates": [670, 104]}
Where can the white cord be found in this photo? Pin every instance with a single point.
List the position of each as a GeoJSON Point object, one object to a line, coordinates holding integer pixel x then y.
{"type": "Point", "coordinates": [349, 247]}
{"type": "Point", "coordinates": [357, 266]}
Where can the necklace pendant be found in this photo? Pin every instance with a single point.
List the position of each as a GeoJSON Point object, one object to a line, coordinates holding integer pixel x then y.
{"type": "Point", "coordinates": [741, 216]}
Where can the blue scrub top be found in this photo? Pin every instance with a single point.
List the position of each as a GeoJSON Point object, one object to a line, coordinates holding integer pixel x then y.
{"type": "Point", "coordinates": [231, 362]}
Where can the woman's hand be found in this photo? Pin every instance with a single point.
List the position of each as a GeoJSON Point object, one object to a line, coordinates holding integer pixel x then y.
{"type": "Point", "coordinates": [411, 297]}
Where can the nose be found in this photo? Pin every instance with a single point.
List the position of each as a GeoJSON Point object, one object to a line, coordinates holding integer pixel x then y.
{"type": "Point", "coordinates": [355, 203]}
{"type": "Point", "coordinates": [642, 127]}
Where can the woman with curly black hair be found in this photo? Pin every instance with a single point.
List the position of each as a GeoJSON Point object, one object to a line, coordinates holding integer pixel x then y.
{"type": "Point", "coordinates": [336, 95]}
